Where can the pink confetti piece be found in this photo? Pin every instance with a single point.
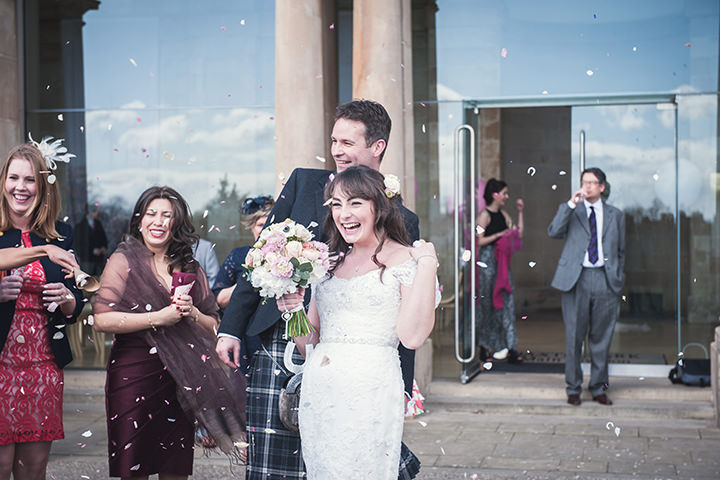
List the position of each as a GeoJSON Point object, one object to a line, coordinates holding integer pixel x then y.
{"type": "Point", "coordinates": [332, 26]}
{"type": "Point", "coordinates": [222, 28]}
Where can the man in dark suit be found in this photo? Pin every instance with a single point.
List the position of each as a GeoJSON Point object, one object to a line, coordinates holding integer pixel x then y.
{"type": "Point", "coordinates": [359, 137]}
{"type": "Point", "coordinates": [590, 275]}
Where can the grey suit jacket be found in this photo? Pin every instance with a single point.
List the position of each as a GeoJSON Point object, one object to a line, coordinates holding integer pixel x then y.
{"type": "Point", "coordinates": [573, 225]}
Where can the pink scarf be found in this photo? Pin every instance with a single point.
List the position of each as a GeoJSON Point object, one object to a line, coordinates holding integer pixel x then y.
{"type": "Point", "coordinates": [505, 247]}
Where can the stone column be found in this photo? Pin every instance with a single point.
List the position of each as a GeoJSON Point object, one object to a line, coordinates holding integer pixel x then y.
{"type": "Point", "coordinates": [382, 71]}
{"type": "Point", "coordinates": [301, 63]}
{"type": "Point", "coordinates": [11, 104]}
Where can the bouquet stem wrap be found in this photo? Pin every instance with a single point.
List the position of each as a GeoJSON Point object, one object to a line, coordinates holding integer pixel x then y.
{"type": "Point", "coordinates": [296, 323]}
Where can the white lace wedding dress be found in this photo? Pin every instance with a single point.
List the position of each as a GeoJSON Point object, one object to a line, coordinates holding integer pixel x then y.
{"type": "Point", "coordinates": [351, 405]}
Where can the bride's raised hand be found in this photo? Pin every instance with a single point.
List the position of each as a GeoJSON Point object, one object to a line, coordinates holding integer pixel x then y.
{"type": "Point", "coordinates": [424, 253]}
{"type": "Point", "coordinates": [291, 301]}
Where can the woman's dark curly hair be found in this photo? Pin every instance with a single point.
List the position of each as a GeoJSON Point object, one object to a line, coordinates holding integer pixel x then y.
{"type": "Point", "coordinates": [368, 184]}
{"type": "Point", "coordinates": [182, 233]}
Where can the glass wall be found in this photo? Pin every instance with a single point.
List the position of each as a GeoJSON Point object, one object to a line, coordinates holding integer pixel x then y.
{"type": "Point", "coordinates": [640, 81]}
{"type": "Point", "coordinates": [172, 92]}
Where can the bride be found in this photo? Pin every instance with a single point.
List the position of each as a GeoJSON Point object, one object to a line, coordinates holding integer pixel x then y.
{"type": "Point", "coordinates": [380, 291]}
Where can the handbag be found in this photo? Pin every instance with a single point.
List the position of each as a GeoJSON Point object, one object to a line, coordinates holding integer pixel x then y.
{"type": "Point", "coordinates": [289, 402]}
{"type": "Point", "coordinates": [691, 371]}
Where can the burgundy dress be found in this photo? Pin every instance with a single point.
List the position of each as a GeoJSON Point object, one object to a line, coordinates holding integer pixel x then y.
{"type": "Point", "coordinates": [31, 383]}
{"type": "Point", "coordinates": [155, 376]}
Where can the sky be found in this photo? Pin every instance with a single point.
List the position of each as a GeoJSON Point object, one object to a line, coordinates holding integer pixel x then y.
{"type": "Point", "coordinates": [528, 49]}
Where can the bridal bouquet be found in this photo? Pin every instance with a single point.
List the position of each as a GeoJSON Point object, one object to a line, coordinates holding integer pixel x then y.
{"type": "Point", "coordinates": [284, 259]}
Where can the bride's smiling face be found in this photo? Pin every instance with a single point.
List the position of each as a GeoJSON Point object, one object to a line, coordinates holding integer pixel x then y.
{"type": "Point", "coordinates": [354, 217]}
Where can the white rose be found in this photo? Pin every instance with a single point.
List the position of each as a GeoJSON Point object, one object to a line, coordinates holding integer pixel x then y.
{"type": "Point", "coordinates": [303, 233]}
{"type": "Point", "coordinates": [392, 185]}
{"type": "Point", "coordinates": [293, 249]}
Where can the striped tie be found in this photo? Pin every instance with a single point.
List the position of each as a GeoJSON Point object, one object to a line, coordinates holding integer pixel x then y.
{"type": "Point", "coordinates": [593, 247]}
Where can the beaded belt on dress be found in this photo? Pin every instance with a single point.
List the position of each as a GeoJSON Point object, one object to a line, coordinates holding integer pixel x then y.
{"type": "Point", "coordinates": [361, 341]}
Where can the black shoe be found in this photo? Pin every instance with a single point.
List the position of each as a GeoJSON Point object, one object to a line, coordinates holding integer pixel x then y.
{"type": "Point", "coordinates": [574, 399]}
{"type": "Point", "coordinates": [485, 354]}
{"type": "Point", "coordinates": [514, 356]}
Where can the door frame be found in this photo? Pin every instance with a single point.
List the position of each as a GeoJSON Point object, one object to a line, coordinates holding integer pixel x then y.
{"type": "Point", "coordinates": [471, 366]}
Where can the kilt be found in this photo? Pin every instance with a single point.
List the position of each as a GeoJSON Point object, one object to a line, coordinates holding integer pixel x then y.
{"type": "Point", "coordinates": [275, 451]}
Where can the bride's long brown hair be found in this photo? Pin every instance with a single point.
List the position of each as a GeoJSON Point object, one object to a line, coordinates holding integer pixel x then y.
{"type": "Point", "coordinates": [368, 184]}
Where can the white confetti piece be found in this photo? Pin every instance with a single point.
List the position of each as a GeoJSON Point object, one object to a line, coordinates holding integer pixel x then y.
{"type": "Point", "coordinates": [617, 431]}
{"type": "Point", "coordinates": [466, 256]}
{"type": "Point", "coordinates": [90, 320]}
{"type": "Point", "coordinates": [423, 128]}
{"type": "Point", "coordinates": [487, 365]}
{"type": "Point", "coordinates": [58, 336]}
{"type": "Point", "coordinates": [134, 63]}
{"type": "Point", "coordinates": [656, 177]}
{"type": "Point", "coordinates": [20, 339]}
{"type": "Point", "coordinates": [563, 172]}
{"type": "Point", "coordinates": [589, 73]}
{"type": "Point", "coordinates": [554, 187]}
{"type": "Point", "coordinates": [51, 179]}
{"type": "Point", "coordinates": [531, 171]}
{"type": "Point", "coordinates": [312, 225]}
{"type": "Point", "coordinates": [168, 155]}
{"type": "Point", "coordinates": [153, 350]}
{"type": "Point", "coordinates": [532, 264]}
{"type": "Point", "coordinates": [205, 214]}
{"type": "Point", "coordinates": [87, 434]}
{"type": "Point", "coordinates": [60, 117]}
{"type": "Point", "coordinates": [135, 467]}
{"type": "Point", "coordinates": [319, 158]}
{"type": "Point", "coordinates": [422, 424]}
{"type": "Point", "coordinates": [148, 307]}
{"type": "Point", "coordinates": [479, 230]}
{"type": "Point", "coordinates": [482, 264]}
{"type": "Point", "coordinates": [270, 430]}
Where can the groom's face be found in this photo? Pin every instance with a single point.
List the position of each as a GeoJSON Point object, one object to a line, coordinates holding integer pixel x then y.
{"type": "Point", "coordinates": [349, 146]}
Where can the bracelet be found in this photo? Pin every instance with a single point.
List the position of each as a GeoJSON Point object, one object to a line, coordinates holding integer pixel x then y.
{"type": "Point", "coordinates": [151, 323]}
{"type": "Point", "coordinates": [417, 259]}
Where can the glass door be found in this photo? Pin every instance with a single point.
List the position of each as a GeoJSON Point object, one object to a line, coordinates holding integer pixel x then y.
{"type": "Point", "coordinates": [539, 151]}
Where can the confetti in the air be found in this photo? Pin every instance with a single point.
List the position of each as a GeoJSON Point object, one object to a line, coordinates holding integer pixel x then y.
{"type": "Point", "coordinates": [554, 187]}
{"type": "Point", "coordinates": [319, 158]}
{"type": "Point", "coordinates": [479, 230]}
{"type": "Point", "coordinates": [87, 434]}
{"type": "Point", "coordinates": [60, 117]}
{"type": "Point", "coordinates": [482, 264]}
{"type": "Point", "coordinates": [503, 52]}
{"type": "Point", "coordinates": [134, 63]}
{"type": "Point", "coordinates": [532, 264]}
{"type": "Point", "coordinates": [466, 256]}
{"type": "Point", "coordinates": [589, 73]}
{"type": "Point", "coordinates": [531, 171]}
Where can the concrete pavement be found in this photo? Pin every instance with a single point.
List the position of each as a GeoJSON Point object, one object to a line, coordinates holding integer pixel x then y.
{"type": "Point", "coordinates": [502, 426]}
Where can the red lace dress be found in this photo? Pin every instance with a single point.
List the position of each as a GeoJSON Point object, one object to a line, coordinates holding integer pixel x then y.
{"type": "Point", "coordinates": [31, 384]}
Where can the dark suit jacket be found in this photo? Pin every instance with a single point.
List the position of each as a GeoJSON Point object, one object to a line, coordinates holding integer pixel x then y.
{"type": "Point", "coordinates": [302, 200]}
{"type": "Point", "coordinates": [53, 273]}
{"type": "Point", "coordinates": [573, 225]}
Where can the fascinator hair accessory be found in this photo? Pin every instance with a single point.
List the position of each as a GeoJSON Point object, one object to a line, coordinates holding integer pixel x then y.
{"type": "Point", "coordinates": [253, 204]}
{"type": "Point", "coordinates": [52, 153]}
{"type": "Point", "coordinates": [392, 185]}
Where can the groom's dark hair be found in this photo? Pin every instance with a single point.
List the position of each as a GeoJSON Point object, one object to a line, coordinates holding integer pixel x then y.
{"type": "Point", "coordinates": [368, 184]}
{"type": "Point", "coordinates": [373, 115]}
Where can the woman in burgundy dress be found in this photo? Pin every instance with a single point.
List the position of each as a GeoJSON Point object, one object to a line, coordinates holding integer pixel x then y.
{"type": "Point", "coordinates": [163, 371]}
{"type": "Point", "coordinates": [36, 303]}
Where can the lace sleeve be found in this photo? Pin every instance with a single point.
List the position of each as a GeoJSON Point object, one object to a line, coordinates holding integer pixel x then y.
{"type": "Point", "coordinates": [405, 273]}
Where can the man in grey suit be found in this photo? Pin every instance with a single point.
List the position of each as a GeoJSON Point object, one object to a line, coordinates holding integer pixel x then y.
{"type": "Point", "coordinates": [590, 275]}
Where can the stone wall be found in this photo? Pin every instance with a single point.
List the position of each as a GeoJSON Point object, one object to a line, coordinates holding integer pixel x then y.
{"type": "Point", "coordinates": [10, 83]}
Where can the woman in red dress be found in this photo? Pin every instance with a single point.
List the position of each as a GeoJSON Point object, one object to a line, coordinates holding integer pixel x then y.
{"type": "Point", "coordinates": [36, 303]}
{"type": "Point", "coordinates": [163, 371]}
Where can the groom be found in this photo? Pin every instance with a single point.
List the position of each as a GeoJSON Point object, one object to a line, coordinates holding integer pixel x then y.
{"type": "Point", "coordinates": [359, 137]}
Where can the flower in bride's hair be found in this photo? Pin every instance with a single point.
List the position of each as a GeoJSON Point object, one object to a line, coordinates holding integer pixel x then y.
{"type": "Point", "coordinates": [52, 152]}
{"type": "Point", "coordinates": [392, 185]}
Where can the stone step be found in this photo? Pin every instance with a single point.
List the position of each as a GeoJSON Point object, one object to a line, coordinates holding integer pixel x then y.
{"type": "Point", "coordinates": [544, 394]}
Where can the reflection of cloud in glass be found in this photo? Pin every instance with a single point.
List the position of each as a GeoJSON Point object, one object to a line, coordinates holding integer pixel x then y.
{"type": "Point", "coordinates": [626, 117]}
{"type": "Point", "coordinates": [446, 93]}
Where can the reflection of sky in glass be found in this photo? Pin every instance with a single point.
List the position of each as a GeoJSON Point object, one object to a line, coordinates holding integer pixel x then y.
{"type": "Point", "coordinates": [179, 93]}
{"type": "Point", "coordinates": [525, 47]}
{"type": "Point", "coordinates": [528, 49]}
